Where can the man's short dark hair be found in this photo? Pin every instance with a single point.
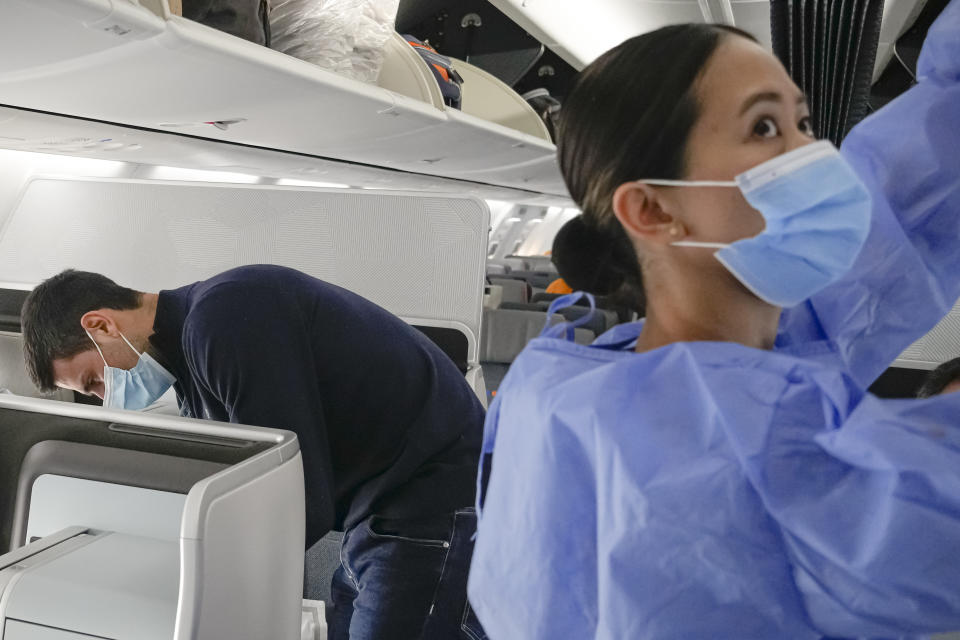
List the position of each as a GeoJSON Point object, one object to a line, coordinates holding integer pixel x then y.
{"type": "Point", "coordinates": [51, 318]}
{"type": "Point", "coordinates": [939, 378]}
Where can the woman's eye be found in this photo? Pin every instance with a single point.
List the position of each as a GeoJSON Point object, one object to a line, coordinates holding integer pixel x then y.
{"type": "Point", "coordinates": [766, 128]}
{"type": "Point", "coordinates": [806, 127]}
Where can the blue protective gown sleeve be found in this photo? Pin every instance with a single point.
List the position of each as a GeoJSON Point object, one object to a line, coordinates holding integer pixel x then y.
{"type": "Point", "coordinates": [868, 504]}
{"type": "Point", "coordinates": [905, 279]}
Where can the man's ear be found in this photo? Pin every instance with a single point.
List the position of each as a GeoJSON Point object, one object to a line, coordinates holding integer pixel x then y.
{"type": "Point", "coordinates": [100, 322]}
{"type": "Point", "coordinates": [642, 213]}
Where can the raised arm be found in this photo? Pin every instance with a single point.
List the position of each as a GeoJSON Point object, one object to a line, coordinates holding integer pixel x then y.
{"type": "Point", "coordinates": [906, 278]}
{"type": "Point", "coordinates": [868, 505]}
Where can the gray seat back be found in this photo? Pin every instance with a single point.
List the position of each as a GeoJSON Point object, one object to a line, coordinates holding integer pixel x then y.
{"type": "Point", "coordinates": [13, 372]}
{"type": "Point", "coordinates": [507, 331]}
{"type": "Point", "coordinates": [513, 290]}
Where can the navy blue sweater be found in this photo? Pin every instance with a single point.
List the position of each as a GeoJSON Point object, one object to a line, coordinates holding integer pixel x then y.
{"type": "Point", "coordinates": [386, 422]}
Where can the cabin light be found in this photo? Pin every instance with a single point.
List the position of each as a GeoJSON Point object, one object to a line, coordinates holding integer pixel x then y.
{"type": "Point", "coordinates": [55, 163]}
{"type": "Point", "coordinates": [292, 182]}
{"type": "Point", "coordinates": [20, 286]}
{"type": "Point", "coordinates": [200, 175]}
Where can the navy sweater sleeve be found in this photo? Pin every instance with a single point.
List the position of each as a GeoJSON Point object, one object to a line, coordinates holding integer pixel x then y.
{"type": "Point", "coordinates": [248, 346]}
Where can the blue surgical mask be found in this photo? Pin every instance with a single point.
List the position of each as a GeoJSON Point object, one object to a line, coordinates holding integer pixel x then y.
{"type": "Point", "coordinates": [817, 213]}
{"type": "Point", "coordinates": [135, 388]}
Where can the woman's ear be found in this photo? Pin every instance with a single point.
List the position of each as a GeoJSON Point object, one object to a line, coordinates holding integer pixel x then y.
{"type": "Point", "coordinates": [641, 211]}
{"type": "Point", "coordinates": [100, 322]}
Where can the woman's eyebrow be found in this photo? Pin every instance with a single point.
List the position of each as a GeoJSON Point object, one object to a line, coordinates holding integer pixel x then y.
{"type": "Point", "coordinates": [767, 96]}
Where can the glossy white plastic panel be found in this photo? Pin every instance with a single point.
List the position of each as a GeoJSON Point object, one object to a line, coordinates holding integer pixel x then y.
{"type": "Point", "coordinates": [222, 572]}
{"type": "Point", "coordinates": [16, 630]}
{"type": "Point", "coordinates": [116, 586]}
{"type": "Point", "coordinates": [186, 76]}
{"type": "Point", "coordinates": [242, 531]}
{"type": "Point", "coordinates": [58, 145]}
{"type": "Point", "coordinates": [57, 502]}
{"type": "Point", "coordinates": [417, 255]}
{"type": "Point", "coordinates": [492, 100]}
{"type": "Point", "coordinates": [898, 17]}
{"type": "Point", "coordinates": [579, 34]}
{"type": "Point", "coordinates": [405, 72]}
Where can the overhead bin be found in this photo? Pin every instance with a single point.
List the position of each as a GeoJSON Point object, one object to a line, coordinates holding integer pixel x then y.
{"type": "Point", "coordinates": [115, 62]}
{"type": "Point", "coordinates": [484, 96]}
{"type": "Point", "coordinates": [490, 99]}
{"type": "Point", "coordinates": [63, 136]}
{"type": "Point", "coordinates": [404, 72]}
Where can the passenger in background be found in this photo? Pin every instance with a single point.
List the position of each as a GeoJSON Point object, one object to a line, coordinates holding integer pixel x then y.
{"type": "Point", "coordinates": [559, 286]}
{"type": "Point", "coordinates": [592, 259]}
{"type": "Point", "coordinates": [389, 429]}
{"type": "Point", "coordinates": [720, 470]}
{"type": "Point", "coordinates": [943, 379]}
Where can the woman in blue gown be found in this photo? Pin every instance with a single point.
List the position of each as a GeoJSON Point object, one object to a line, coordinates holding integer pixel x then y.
{"type": "Point", "coordinates": [719, 470]}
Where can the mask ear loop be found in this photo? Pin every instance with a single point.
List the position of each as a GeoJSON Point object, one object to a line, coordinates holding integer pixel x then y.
{"type": "Point", "coordinates": [694, 183]}
{"type": "Point", "coordinates": [130, 345]}
{"type": "Point", "coordinates": [97, 346]}
{"type": "Point", "coordinates": [134, 349]}
{"type": "Point", "coordinates": [702, 245]}
{"type": "Point", "coordinates": [690, 183]}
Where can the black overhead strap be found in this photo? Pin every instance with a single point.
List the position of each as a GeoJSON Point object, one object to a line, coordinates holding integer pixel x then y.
{"type": "Point", "coordinates": [829, 48]}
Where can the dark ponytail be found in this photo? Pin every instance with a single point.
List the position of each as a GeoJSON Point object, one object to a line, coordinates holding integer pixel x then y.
{"type": "Point", "coordinates": [628, 117]}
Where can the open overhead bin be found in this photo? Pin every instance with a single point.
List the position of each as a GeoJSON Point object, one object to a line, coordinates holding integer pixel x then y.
{"type": "Point", "coordinates": [116, 62]}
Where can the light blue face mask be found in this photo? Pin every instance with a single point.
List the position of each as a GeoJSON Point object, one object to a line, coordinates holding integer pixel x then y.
{"type": "Point", "coordinates": [817, 213]}
{"type": "Point", "coordinates": [135, 388]}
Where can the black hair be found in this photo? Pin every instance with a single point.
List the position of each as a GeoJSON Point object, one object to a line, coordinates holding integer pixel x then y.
{"type": "Point", "coordinates": [627, 117]}
{"type": "Point", "coordinates": [590, 260]}
{"type": "Point", "coordinates": [939, 378]}
{"type": "Point", "coordinates": [51, 318]}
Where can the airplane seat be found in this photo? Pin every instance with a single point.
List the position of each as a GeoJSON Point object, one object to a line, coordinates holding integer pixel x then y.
{"type": "Point", "coordinates": [540, 264]}
{"type": "Point", "coordinates": [11, 301]}
{"type": "Point", "coordinates": [513, 290]}
{"type": "Point", "coordinates": [152, 523]}
{"type": "Point", "coordinates": [494, 269]}
{"type": "Point", "coordinates": [13, 372]}
{"type": "Point", "coordinates": [538, 279]}
{"type": "Point", "coordinates": [62, 484]}
{"type": "Point", "coordinates": [452, 342]}
{"type": "Point", "coordinates": [603, 302]}
{"type": "Point", "coordinates": [492, 296]}
{"type": "Point", "coordinates": [602, 320]}
{"type": "Point", "coordinates": [514, 263]}
{"type": "Point", "coordinates": [506, 332]}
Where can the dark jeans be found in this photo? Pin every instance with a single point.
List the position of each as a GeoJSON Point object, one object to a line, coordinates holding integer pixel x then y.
{"type": "Point", "coordinates": [405, 579]}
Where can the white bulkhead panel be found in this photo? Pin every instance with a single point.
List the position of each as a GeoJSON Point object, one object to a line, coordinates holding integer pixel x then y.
{"type": "Point", "coordinates": [420, 256]}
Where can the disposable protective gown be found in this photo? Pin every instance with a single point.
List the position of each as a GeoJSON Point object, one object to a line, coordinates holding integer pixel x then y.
{"type": "Point", "coordinates": [711, 490]}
